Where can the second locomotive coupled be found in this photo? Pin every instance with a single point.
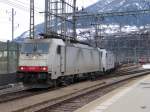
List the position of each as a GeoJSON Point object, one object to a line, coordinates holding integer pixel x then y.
{"type": "Point", "coordinates": [51, 61]}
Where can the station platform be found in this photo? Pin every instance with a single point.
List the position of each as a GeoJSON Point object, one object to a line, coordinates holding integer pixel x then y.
{"type": "Point", "coordinates": [132, 97]}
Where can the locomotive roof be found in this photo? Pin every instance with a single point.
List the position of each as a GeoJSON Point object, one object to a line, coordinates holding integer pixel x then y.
{"type": "Point", "coordinates": [58, 41]}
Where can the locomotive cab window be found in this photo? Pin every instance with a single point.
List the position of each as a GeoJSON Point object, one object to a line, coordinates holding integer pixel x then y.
{"type": "Point", "coordinates": [106, 55]}
{"type": "Point", "coordinates": [30, 48]}
{"type": "Point", "coordinates": [58, 49]}
{"type": "Point", "coordinates": [101, 54]}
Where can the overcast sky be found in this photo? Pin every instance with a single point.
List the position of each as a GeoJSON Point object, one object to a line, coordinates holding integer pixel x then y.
{"type": "Point", "coordinates": [22, 15]}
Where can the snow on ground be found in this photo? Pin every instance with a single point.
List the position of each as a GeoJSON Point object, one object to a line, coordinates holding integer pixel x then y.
{"type": "Point", "coordinates": [146, 66]}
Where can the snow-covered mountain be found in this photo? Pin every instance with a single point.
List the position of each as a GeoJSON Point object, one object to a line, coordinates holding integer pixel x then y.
{"type": "Point", "coordinates": [103, 6]}
{"type": "Point", "coordinates": [38, 29]}
{"type": "Point", "coordinates": [119, 5]}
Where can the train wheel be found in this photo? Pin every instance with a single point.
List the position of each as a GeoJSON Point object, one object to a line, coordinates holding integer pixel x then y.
{"type": "Point", "coordinates": [92, 77]}
{"type": "Point", "coordinates": [54, 83]}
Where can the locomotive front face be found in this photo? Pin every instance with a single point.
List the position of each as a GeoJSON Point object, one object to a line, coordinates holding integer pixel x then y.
{"type": "Point", "coordinates": [33, 57]}
{"type": "Point", "coordinates": [33, 60]}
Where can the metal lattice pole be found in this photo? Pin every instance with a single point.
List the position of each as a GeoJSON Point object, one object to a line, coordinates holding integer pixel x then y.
{"type": "Point", "coordinates": [74, 19]}
{"type": "Point", "coordinates": [57, 20]}
{"type": "Point", "coordinates": [32, 19]}
{"type": "Point", "coordinates": [13, 24]}
{"type": "Point", "coordinates": [46, 16]}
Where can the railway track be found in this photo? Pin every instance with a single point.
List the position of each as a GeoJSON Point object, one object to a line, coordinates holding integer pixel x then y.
{"type": "Point", "coordinates": [72, 101]}
{"type": "Point", "coordinates": [79, 101]}
{"type": "Point", "coordinates": [75, 103]}
{"type": "Point", "coordinates": [18, 91]}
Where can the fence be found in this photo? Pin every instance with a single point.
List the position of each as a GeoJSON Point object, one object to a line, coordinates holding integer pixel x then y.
{"type": "Point", "coordinates": [9, 53]}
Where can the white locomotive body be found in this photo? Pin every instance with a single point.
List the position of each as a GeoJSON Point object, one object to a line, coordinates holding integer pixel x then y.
{"type": "Point", "coordinates": [108, 60]}
{"type": "Point", "coordinates": [48, 60]}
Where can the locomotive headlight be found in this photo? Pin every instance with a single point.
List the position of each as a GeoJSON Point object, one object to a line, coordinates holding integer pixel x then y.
{"type": "Point", "coordinates": [44, 68]}
{"type": "Point", "coordinates": [21, 68]}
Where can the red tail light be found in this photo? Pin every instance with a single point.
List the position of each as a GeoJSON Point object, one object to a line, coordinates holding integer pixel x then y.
{"type": "Point", "coordinates": [33, 68]}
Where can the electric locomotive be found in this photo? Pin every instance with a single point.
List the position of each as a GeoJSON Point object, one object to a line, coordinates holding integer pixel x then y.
{"type": "Point", "coordinates": [49, 61]}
